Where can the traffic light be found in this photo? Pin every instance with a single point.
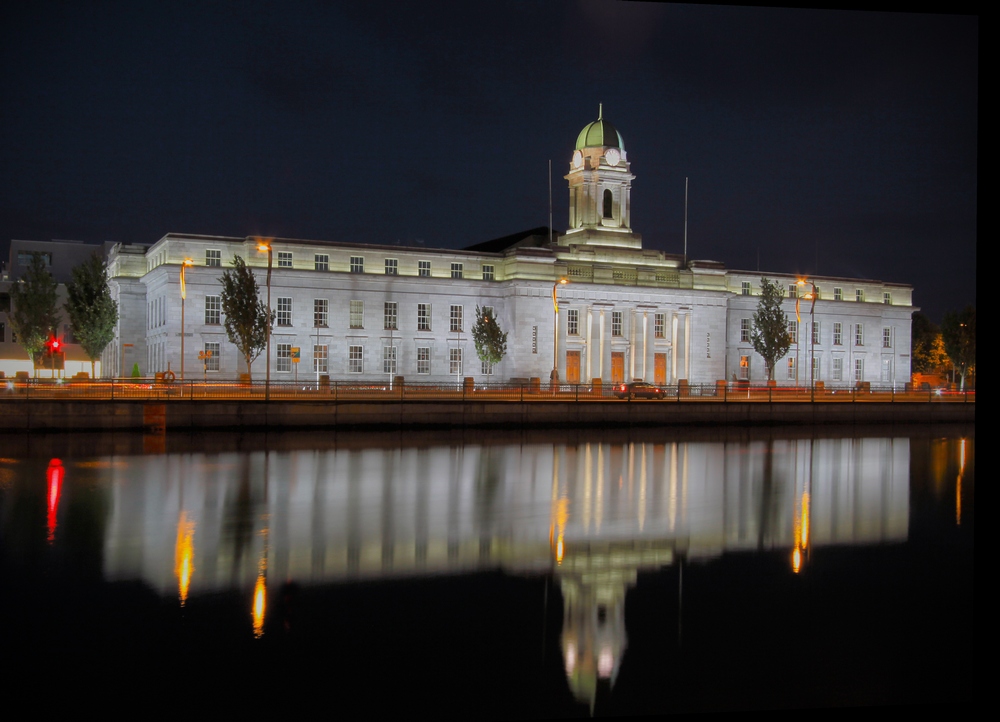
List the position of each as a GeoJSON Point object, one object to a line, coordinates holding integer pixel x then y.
{"type": "Point", "coordinates": [54, 345]}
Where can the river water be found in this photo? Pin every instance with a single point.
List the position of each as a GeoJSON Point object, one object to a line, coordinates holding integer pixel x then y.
{"type": "Point", "coordinates": [500, 576]}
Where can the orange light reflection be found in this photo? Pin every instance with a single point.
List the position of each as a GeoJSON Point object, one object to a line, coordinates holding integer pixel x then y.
{"type": "Point", "coordinates": [184, 556]}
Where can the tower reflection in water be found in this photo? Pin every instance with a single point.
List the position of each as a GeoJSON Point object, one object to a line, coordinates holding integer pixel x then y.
{"type": "Point", "coordinates": [593, 515]}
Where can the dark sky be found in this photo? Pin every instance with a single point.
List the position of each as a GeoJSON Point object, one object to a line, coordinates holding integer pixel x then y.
{"type": "Point", "coordinates": [844, 136]}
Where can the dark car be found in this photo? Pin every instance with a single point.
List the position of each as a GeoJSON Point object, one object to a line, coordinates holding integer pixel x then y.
{"type": "Point", "coordinates": [639, 390]}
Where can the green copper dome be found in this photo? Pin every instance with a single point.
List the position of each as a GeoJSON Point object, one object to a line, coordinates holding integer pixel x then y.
{"type": "Point", "coordinates": [599, 133]}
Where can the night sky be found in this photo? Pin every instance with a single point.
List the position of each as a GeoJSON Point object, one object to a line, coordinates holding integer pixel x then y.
{"type": "Point", "coordinates": [843, 138]}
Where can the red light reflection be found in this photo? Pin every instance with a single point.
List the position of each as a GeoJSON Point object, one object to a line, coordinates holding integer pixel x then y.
{"type": "Point", "coordinates": [54, 476]}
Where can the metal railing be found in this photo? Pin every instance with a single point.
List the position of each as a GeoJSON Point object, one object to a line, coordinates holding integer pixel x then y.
{"type": "Point", "coordinates": [148, 389]}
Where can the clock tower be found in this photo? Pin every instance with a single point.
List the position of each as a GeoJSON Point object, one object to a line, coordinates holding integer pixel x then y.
{"type": "Point", "coordinates": [600, 189]}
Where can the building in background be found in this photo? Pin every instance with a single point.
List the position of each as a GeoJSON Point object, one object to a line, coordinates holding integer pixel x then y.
{"type": "Point", "coordinates": [60, 257]}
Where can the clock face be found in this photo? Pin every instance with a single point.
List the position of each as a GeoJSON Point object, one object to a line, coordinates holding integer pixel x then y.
{"type": "Point", "coordinates": [613, 156]}
{"type": "Point", "coordinates": [577, 159]}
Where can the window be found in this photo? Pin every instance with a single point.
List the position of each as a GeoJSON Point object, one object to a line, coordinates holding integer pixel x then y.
{"type": "Point", "coordinates": [356, 360]}
{"type": "Point", "coordinates": [284, 259]}
{"type": "Point", "coordinates": [357, 314]}
{"type": "Point", "coordinates": [887, 298]}
{"type": "Point", "coordinates": [213, 258]}
{"type": "Point", "coordinates": [815, 368]}
{"type": "Point", "coordinates": [616, 323]}
{"type": "Point", "coordinates": [791, 368]}
{"type": "Point", "coordinates": [456, 270]}
{"type": "Point", "coordinates": [423, 360]}
{"type": "Point", "coordinates": [744, 368]}
{"type": "Point", "coordinates": [322, 262]}
{"type": "Point", "coordinates": [744, 330]}
{"type": "Point", "coordinates": [793, 290]}
{"type": "Point", "coordinates": [838, 294]}
{"type": "Point", "coordinates": [284, 312]}
{"type": "Point", "coordinates": [456, 318]}
{"type": "Point", "coordinates": [212, 354]}
{"type": "Point", "coordinates": [487, 368]}
{"type": "Point", "coordinates": [389, 360]}
{"type": "Point", "coordinates": [660, 325]}
{"type": "Point", "coordinates": [887, 337]}
{"type": "Point", "coordinates": [745, 288]}
{"type": "Point", "coordinates": [284, 357]}
{"type": "Point", "coordinates": [455, 361]}
{"type": "Point", "coordinates": [815, 332]}
{"type": "Point", "coordinates": [424, 269]}
{"type": "Point", "coordinates": [859, 335]}
{"type": "Point", "coordinates": [423, 317]}
{"type": "Point", "coordinates": [838, 369]}
{"type": "Point", "coordinates": [489, 310]}
{"type": "Point", "coordinates": [320, 359]}
{"type": "Point", "coordinates": [3, 332]}
{"type": "Point", "coordinates": [321, 313]}
{"type": "Point", "coordinates": [573, 322]}
{"type": "Point", "coordinates": [609, 202]}
{"type": "Point", "coordinates": [389, 315]}
{"type": "Point", "coordinates": [793, 331]}
{"type": "Point", "coordinates": [213, 310]}
{"type": "Point", "coordinates": [838, 334]}
{"type": "Point", "coordinates": [488, 274]}
{"type": "Point", "coordinates": [859, 369]}
{"type": "Point", "coordinates": [859, 295]}
{"type": "Point", "coordinates": [357, 264]}
{"type": "Point", "coordinates": [392, 267]}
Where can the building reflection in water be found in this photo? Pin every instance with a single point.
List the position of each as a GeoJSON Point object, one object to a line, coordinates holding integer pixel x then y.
{"type": "Point", "coordinates": [593, 515]}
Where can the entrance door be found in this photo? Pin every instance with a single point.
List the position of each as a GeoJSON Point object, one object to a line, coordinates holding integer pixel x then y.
{"type": "Point", "coordinates": [660, 369]}
{"type": "Point", "coordinates": [573, 367]}
{"type": "Point", "coordinates": [617, 367]}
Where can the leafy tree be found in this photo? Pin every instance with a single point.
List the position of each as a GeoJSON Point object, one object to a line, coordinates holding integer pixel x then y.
{"type": "Point", "coordinates": [959, 334]}
{"type": "Point", "coordinates": [491, 342]}
{"type": "Point", "coordinates": [34, 314]}
{"type": "Point", "coordinates": [92, 311]}
{"type": "Point", "coordinates": [927, 347]}
{"type": "Point", "coordinates": [247, 317]}
{"type": "Point", "coordinates": [770, 326]}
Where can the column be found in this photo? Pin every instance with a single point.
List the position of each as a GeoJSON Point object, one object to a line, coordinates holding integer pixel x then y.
{"type": "Point", "coordinates": [645, 328]}
{"type": "Point", "coordinates": [600, 364]}
{"type": "Point", "coordinates": [673, 348]}
{"type": "Point", "coordinates": [631, 343]}
{"type": "Point", "coordinates": [590, 328]}
{"type": "Point", "coordinates": [687, 346]}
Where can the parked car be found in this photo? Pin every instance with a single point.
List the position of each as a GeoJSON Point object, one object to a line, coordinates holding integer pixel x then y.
{"type": "Point", "coordinates": [639, 390]}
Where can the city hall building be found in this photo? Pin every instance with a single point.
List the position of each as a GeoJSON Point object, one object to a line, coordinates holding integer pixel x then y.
{"type": "Point", "coordinates": [588, 303]}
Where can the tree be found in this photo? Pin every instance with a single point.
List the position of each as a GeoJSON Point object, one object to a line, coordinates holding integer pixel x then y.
{"type": "Point", "coordinates": [770, 326]}
{"type": "Point", "coordinates": [35, 313]}
{"type": "Point", "coordinates": [92, 312]}
{"type": "Point", "coordinates": [927, 352]}
{"type": "Point", "coordinates": [491, 342]}
{"type": "Point", "coordinates": [959, 334]}
{"type": "Point", "coordinates": [247, 317]}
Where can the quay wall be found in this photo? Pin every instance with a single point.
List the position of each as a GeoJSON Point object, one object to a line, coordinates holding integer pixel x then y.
{"type": "Point", "coordinates": [92, 415]}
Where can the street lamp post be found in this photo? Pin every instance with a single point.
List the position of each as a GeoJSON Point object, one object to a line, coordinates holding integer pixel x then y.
{"type": "Point", "coordinates": [266, 246]}
{"type": "Point", "coordinates": [554, 377]}
{"type": "Point", "coordinates": [184, 264]}
{"type": "Point", "coordinates": [812, 295]}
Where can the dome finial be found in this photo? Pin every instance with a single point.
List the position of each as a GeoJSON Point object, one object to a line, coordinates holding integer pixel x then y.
{"type": "Point", "coordinates": [600, 111]}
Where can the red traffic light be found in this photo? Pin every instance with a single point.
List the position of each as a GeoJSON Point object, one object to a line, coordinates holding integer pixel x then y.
{"type": "Point", "coordinates": [54, 345]}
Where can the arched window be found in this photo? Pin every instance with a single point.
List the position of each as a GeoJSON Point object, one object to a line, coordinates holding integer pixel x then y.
{"type": "Point", "coordinates": [608, 203]}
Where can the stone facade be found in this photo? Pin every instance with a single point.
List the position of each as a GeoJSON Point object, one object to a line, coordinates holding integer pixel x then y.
{"type": "Point", "coordinates": [369, 313]}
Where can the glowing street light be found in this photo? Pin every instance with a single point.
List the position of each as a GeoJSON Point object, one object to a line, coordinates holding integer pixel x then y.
{"type": "Point", "coordinates": [555, 330]}
{"type": "Point", "coordinates": [263, 245]}
{"type": "Point", "coordinates": [812, 296]}
{"type": "Point", "coordinates": [184, 264]}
